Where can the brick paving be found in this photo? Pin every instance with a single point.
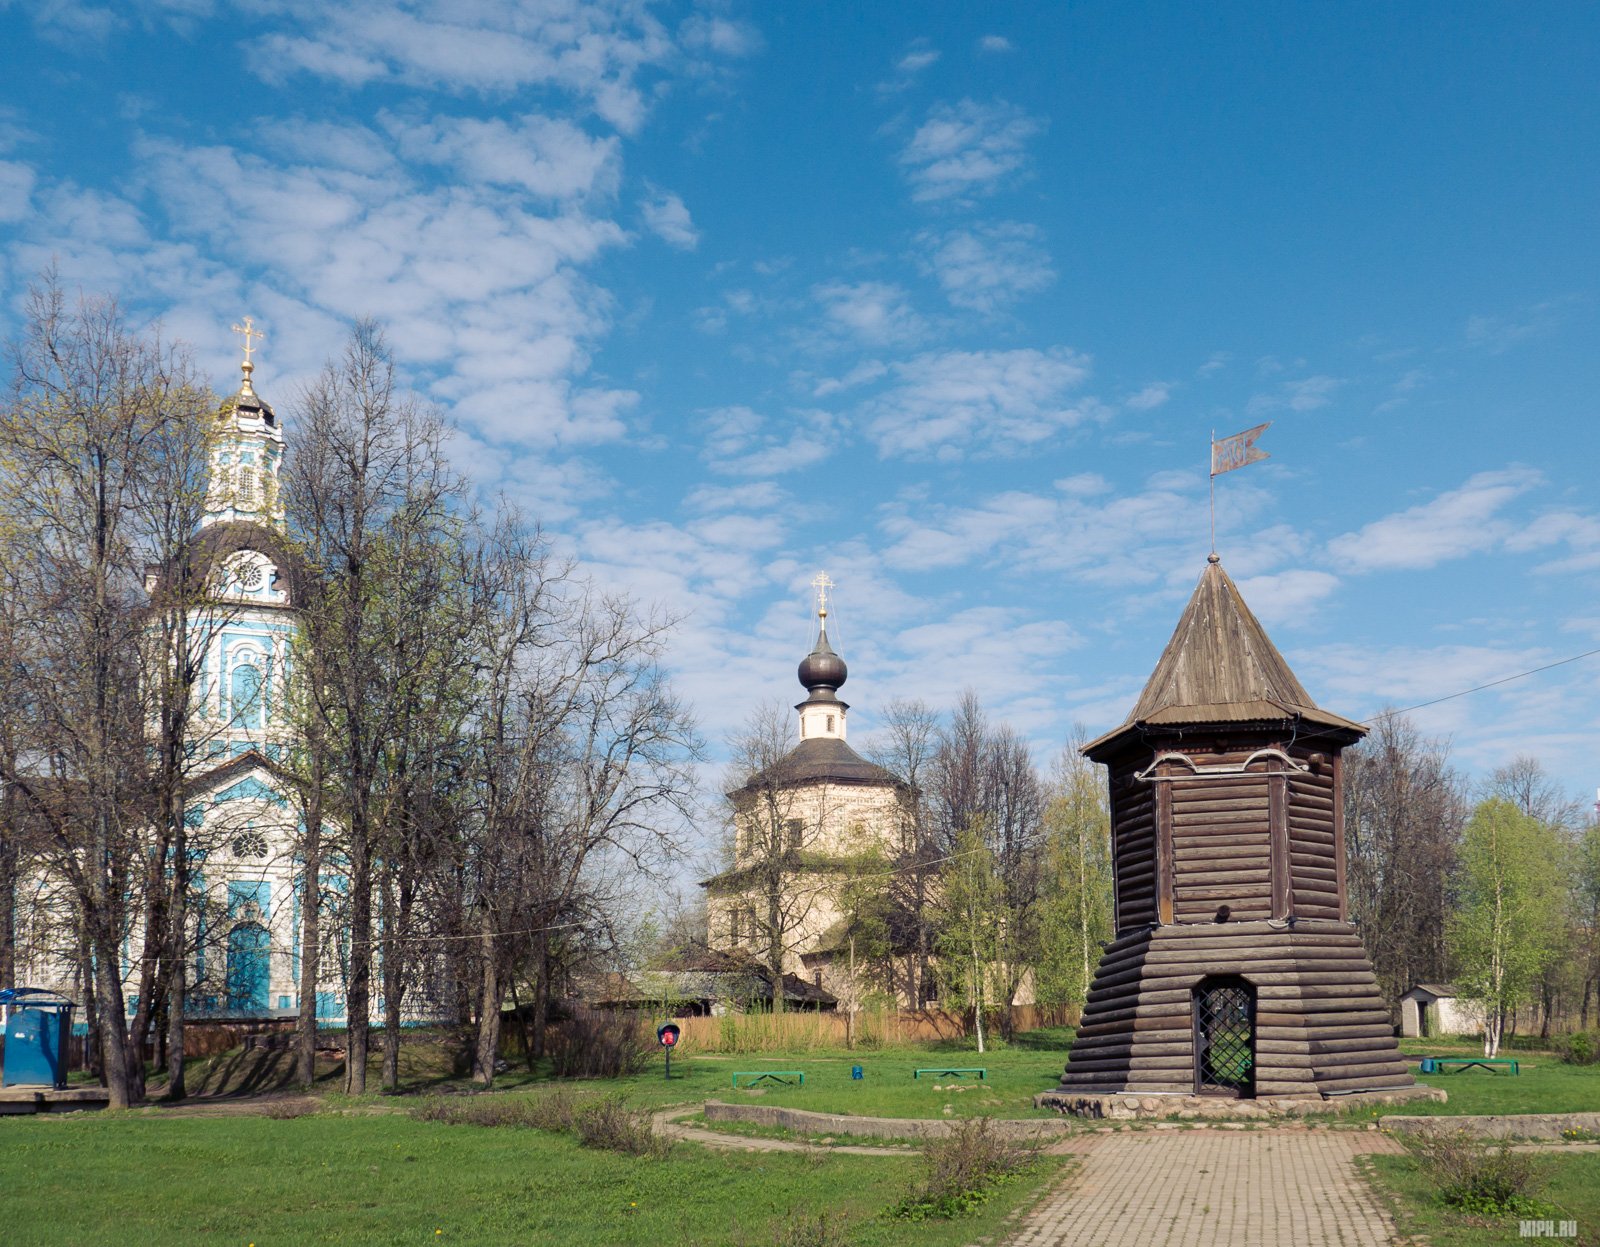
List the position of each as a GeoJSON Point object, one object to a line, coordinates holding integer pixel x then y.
{"type": "Point", "coordinates": [1214, 1188]}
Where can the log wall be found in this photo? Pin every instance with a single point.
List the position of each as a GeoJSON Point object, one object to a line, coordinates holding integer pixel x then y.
{"type": "Point", "coordinates": [1321, 1025]}
{"type": "Point", "coordinates": [1267, 845]}
{"type": "Point", "coordinates": [1133, 844]}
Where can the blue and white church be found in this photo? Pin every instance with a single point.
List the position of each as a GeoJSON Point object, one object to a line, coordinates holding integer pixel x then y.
{"type": "Point", "coordinates": [244, 817]}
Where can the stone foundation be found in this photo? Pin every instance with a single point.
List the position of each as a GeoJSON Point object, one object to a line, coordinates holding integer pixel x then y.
{"type": "Point", "coordinates": [1131, 1106]}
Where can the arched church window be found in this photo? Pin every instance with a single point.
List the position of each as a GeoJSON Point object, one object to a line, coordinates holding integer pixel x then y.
{"type": "Point", "coordinates": [245, 694]}
{"type": "Point", "coordinates": [245, 484]}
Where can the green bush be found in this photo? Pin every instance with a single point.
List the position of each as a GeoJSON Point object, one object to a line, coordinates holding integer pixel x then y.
{"type": "Point", "coordinates": [1578, 1048]}
{"type": "Point", "coordinates": [963, 1168]}
{"type": "Point", "coordinates": [1478, 1177]}
{"type": "Point", "coordinates": [611, 1124]}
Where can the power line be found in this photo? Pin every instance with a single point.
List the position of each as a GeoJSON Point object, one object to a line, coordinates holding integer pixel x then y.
{"type": "Point", "coordinates": [1478, 688]}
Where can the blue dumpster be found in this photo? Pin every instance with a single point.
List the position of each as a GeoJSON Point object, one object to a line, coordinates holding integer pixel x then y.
{"type": "Point", "coordinates": [38, 1025]}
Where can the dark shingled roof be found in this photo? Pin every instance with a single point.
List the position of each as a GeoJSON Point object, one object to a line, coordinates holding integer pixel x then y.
{"type": "Point", "coordinates": [1221, 667]}
{"type": "Point", "coordinates": [822, 758]}
{"type": "Point", "coordinates": [216, 543]}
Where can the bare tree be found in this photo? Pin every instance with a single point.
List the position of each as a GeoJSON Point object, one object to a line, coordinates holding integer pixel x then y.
{"type": "Point", "coordinates": [1404, 809]}
{"type": "Point", "coordinates": [906, 748]}
{"type": "Point", "coordinates": [582, 760]}
{"type": "Point", "coordinates": [369, 483]}
{"type": "Point", "coordinates": [98, 446]}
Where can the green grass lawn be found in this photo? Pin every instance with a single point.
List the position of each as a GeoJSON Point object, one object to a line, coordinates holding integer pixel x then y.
{"type": "Point", "coordinates": [1015, 1074]}
{"type": "Point", "coordinates": [1573, 1194]}
{"type": "Point", "coordinates": [387, 1178]}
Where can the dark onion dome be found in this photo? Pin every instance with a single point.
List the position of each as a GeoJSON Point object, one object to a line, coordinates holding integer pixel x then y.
{"type": "Point", "coordinates": [822, 668]}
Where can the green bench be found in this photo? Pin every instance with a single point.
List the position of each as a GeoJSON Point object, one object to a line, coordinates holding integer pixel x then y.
{"type": "Point", "coordinates": [785, 1076]}
{"type": "Point", "coordinates": [1440, 1064]}
{"type": "Point", "coordinates": [983, 1074]}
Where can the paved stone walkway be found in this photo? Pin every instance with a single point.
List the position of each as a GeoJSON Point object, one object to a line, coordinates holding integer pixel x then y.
{"type": "Point", "coordinates": [1214, 1188]}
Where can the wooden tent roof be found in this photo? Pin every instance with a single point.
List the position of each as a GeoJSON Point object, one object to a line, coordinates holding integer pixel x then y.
{"type": "Point", "coordinates": [1220, 667]}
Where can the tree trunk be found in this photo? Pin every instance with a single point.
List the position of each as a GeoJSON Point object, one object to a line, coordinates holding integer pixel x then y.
{"type": "Point", "coordinates": [541, 993]}
{"type": "Point", "coordinates": [178, 959]}
{"type": "Point", "coordinates": [114, 1056]}
{"type": "Point", "coordinates": [358, 1002]}
{"type": "Point", "coordinates": [396, 916]}
{"type": "Point", "coordinates": [490, 993]}
{"type": "Point", "coordinates": [310, 922]}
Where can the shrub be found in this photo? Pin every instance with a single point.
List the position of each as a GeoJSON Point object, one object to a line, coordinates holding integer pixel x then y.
{"type": "Point", "coordinates": [610, 1123]}
{"type": "Point", "coordinates": [819, 1231]}
{"type": "Point", "coordinates": [288, 1110]}
{"type": "Point", "coordinates": [1478, 1177]}
{"type": "Point", "coordinates": [963, 1169]}
{"type": "Point", "coordinates": [549, 1110]}
{"type": "Point", "coordinates": [600, 1044]}
{"type": "Point", "coordinates": [1578, 1048]}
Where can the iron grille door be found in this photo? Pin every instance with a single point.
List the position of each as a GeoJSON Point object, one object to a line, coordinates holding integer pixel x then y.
{"type": "Point", "coordinates": [1225, 1033]}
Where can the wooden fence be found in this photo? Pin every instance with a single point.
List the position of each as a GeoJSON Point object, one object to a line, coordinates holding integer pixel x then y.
{"type": "Point", "coordinates": [791, 1032]}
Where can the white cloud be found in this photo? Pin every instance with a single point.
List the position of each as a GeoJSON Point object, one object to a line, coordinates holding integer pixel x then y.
{"type": "Point", "coordinates": [16, 190]}
{"type": "Point", "coordinates": [742, 442]}
{"type": "Point", "coordinates": [667, 218]}
{"type": "Point", "coordinates": [545, 156]}
{"type": "Point", "coordinates": [947, 404]}
{"type": "Point", "coordinates": [967, 149]}
{"type": "Point", "coordinates": [914, 62]}
{"type": "Point", "coordinates": [1456, 523]}
{"type": "Point", "coordinates": [1497, 334]}
{"type": "Point", "coordinates": [987, 267]}
{"type": "Point", "coordinates": [1306, 394]}
{"type": "Point", "coordinates": [707, 32]}
{"type": "Point", "coordinates": [1287, 596]}
{"type": "Point", "coordinates": [592, 48]}
{"type": "Point", "coordinates": [869, 313]}
{"type": "Point", "coordinates": [994, 43]}
{"type": "Point", "coordinates": [753, 496]}
{"type": "Point", "coordinates": [1149, 397]}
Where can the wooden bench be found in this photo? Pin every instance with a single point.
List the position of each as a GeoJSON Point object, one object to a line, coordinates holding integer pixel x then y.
{"type": "Point", "coordinates": [1439, 1064]}
{"type": "Point", "coordinates": [982, 1073]}
{"type": "Point", "coordinates": [785, 1076]}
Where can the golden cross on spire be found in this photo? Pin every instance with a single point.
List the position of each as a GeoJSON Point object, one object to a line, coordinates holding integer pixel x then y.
{"type": "Point", "coordinates": [822, 584]}
{"type": "Point", "coordinates": [249, 333]}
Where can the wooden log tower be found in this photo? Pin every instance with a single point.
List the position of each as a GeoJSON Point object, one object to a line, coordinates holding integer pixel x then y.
{"type": "Point", "coordinates": [1235, 971]}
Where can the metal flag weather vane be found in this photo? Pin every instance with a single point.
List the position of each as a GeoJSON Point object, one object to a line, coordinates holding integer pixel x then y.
{"type": "Point", "coordinates": [1233, 452]}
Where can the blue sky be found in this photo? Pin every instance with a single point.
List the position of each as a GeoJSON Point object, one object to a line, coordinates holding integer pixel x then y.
{"type": "Point", "coordinates": [945, 299]}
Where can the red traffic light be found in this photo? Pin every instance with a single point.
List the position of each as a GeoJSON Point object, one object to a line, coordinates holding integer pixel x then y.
{"type": "Point", "coordinates": [667, 1036]}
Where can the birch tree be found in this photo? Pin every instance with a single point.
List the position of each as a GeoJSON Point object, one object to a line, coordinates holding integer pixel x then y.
{"type": "Point", "coordinates": [1509, 918]}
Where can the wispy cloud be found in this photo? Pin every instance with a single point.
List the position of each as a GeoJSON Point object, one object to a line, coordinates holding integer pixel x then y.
{"type": "Point", "coordinates": [595, 50]}
{"type": "Point", "coordinates": [950, 404]}
{"type": "Point", "coordinates": [869, 313]}
{"type": "Point", "coordinates": [994, 43]}
{"type": "Point", "coordinates": [667, 218]}
{"type": "Point", "coordinates": [742, 442]}
{"type": "Point", "coordinates": [1149, 397]}
{"type": "Point", "coordinates": [968, 149]}
{"type": "Point", "coordinates": [986, 267]}
{"type": "Point", "coordinates": [1498, 334]}
{"type": "Point", "coordinates": [1305, 394]}
{"type": "Point", "coordinates": [1461, 521]}
{"type": "Point", "coordinates": [545, 156]}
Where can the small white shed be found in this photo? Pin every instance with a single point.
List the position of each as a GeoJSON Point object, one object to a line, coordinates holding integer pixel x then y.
{"type": "Point", "coordinates": [1433, 1009]}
